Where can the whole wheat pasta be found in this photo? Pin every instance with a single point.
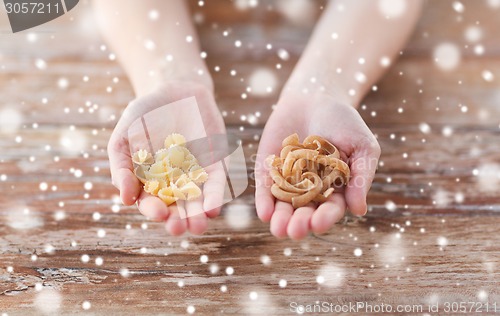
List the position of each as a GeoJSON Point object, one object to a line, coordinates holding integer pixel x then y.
{"type": "Point", "coordinates": [308, 171]}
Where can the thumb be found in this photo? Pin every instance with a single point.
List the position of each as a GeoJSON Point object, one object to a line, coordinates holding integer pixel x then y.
{"type": "Point", "coordinates": [363, 171]}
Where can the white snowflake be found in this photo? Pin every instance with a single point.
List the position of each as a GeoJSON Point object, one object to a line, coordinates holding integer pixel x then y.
{"type": "Point", "coordinates": [238, 216]}
{"type": "Point", "coordinates": [262, 81]}
{"type": "Point", "coordinates": [331, 276]}
{"type": "Point", "coordinates": [48, 301]}
{"type": "Point", "coordinates": [447, 56]}
{"type": "Point", "coordinates": [10, 120]}
{"type": "Point", "coordinates": [392, 8]}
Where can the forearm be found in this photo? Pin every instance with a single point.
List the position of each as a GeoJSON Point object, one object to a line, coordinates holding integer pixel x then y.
{"type": "Point", "coordinates": [150, 49]}
{"type": "Point", "coordinates": [350, 47]}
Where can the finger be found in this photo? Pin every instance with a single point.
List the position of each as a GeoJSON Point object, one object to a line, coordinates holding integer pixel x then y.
{"type": "Point", "coordinates": [264, 199]}
{"type": "Point", "coordinates": [280, 218]}
{"type": "Point", "coordinates": [177, 223]}
{"type": "Point", "coordinates": [196, 218]}
{"type": "Point", "coordinates": [152, 207]}
{"type": "Point", "coordinates": [198, 224]}
{"type": "Point", "coordinates": [328, 214]}
{"type": "Point", "coordinates": [213, 189]}
{"type": "Point", "coordinates": [298, 227]}
{"type": "Point", "coordinates": [122, 176]}
{"type": "Point", "coordinates": [268, 145]}
{"type": "Point", "coordinates": [363, 170]}
{"type": "Point", "coordinates": [130, 186]}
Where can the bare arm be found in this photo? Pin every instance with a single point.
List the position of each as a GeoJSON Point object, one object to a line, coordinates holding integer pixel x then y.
{"type": "Point", "coordinates": [155, 41]}
{"type": "Point", "coordinates": [341, 62]}
{"type": "Point", "coordinates": [350, 47]}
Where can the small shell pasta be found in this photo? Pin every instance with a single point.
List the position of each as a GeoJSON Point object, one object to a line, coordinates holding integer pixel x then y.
{"type": "Point", "coordinates": [156, 171]}
{"type": "Point", "coordinates": [174, 139]}
{"type": "Point", "coordinates": [191, 190]}
{"type": "Point", "coordinates": [167, 195]}
{"type": "Point", "coordinates": [142, 157]}
{"type": "Point", "coordinates": [182, 180]}
{"type": "Point", "coordinates": [189, 164]}
{"type": "Point", "coordinates": [161, 154]}
{"type": "Point", "coordinates": [172, 174]}
{"type": "Point", "coordinates": [176, 156]}
{"type": "Point", "coordinates": [178, 194]}
{"type": "Point", "coordinates": [198, 174]}
{"type": "Point", "coordinates": [152, 187]}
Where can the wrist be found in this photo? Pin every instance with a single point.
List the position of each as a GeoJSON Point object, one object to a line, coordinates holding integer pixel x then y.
{"type": "Point", "coordinates": [147, 77]}
{"type": "Point", "coordinates": [295, 100]}
{"type": "Point", "coordinates": [311, 87]}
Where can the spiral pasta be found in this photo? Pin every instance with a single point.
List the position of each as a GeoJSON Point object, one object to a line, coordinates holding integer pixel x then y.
{"type": "Point", "coordinates": [306, 172]}
{"type": "Point", "coordinates": [172, 174]}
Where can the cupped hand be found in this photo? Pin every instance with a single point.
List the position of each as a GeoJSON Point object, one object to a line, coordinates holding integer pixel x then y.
{"type": "Point", "coordinates": [326, 116]}
{"type": "Point", "coordinates": [183, 122]}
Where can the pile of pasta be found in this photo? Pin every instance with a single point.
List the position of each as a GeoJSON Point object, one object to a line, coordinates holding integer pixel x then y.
{"type": "Point", "coordinates": [172, 174]}
{"type": "Point", "coordinates": [308, 171]}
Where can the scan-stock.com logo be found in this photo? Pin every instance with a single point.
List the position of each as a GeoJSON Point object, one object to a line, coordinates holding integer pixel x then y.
{"type": "Point", "coordinates": [26, 14]}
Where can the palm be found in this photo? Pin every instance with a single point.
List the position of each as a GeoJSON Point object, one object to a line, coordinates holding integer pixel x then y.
{"type": "Point", "coordinates": [150, 114]}
{"type": "Point", "coordinates": [340, 124]}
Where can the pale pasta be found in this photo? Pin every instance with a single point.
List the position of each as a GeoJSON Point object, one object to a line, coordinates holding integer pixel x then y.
{"type": "Point", "coordinates": [172, 174]}
{"type": "Point", "coordinates": [174, 139]}
{"type": "Point", "coordinates": [142, 157]}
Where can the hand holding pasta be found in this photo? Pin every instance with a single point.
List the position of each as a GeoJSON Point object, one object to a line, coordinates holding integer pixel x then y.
{"type": "Point", "coordinates": [306, 172]}
{"type": "Point", "coordinates": [172, 174]}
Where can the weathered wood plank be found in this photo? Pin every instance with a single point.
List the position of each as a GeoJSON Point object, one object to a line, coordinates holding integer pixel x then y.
{"type": "Point", "coordinates": [396, 254]}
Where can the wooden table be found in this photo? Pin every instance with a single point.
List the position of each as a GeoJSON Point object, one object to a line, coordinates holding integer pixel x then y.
{"type": "Point", "coordinates": [430, 236]}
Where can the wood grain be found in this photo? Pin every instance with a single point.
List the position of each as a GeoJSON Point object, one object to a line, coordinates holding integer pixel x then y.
{"type": "Point", "coordinates": [430, 234]}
